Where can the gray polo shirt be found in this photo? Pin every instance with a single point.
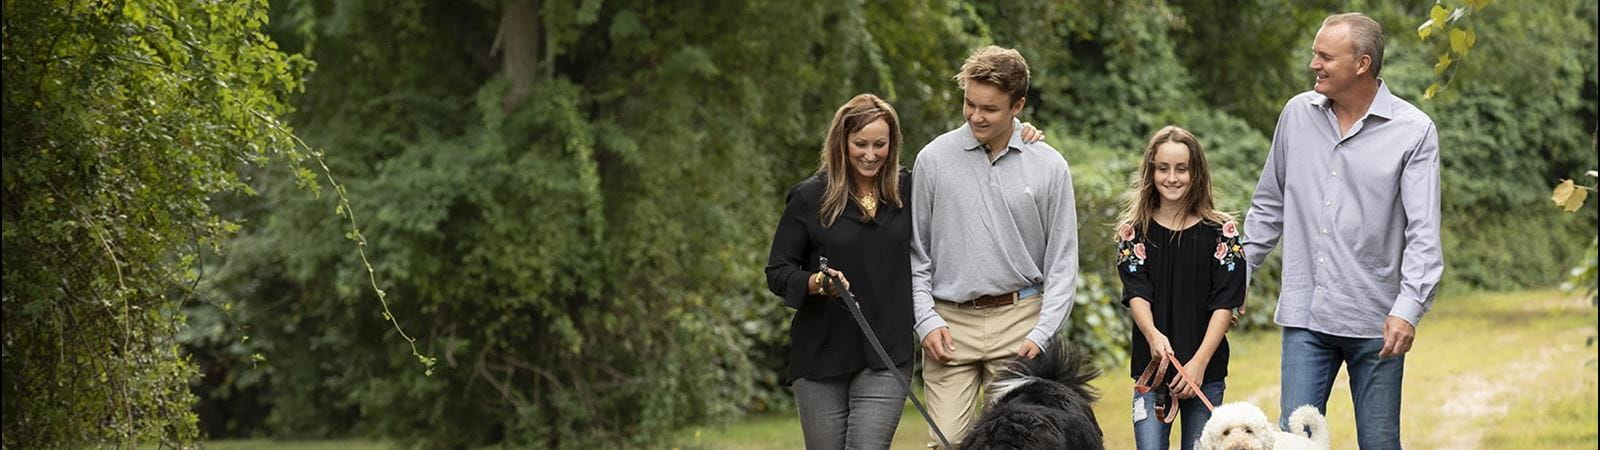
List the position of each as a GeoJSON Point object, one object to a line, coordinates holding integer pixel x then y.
{"type": "Point", "coordinates": [1357, 216]}
{"type": "Point", "coordinates": [985, 229]}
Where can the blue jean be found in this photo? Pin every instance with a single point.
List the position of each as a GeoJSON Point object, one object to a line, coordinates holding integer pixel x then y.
{"type": "Point", "coordinates": [851, 412]}
{"type": "Point", "coordinates": [1149, 433]}
{"type": "Point", "coordinates": [1310, 362]}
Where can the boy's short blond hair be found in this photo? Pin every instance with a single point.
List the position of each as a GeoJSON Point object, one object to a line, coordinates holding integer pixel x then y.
{"type": "Point", "coordinates": [1003, 67]}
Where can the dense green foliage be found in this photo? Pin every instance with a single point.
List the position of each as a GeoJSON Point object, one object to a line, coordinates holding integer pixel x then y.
{"type": "Point", "coordinates": [569, 203]}
{"type": "Point", "coordinates": [576, 224]}
{"type": "Point", "coordinates": [121, 120]}
{"type": "Point", "coordinates": [574, 201]}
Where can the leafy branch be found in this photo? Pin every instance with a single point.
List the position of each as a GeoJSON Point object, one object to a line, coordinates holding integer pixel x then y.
{"type": "Point", "coordinates": [1452, 22]}
{"type": "Point", "coordinates": [344, 209]}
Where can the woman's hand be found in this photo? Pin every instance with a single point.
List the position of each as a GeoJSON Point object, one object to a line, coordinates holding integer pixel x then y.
{"type": "Point", "coordinates": [1031, 134]}
{"type": "Point", "coordinates": [828, 286]}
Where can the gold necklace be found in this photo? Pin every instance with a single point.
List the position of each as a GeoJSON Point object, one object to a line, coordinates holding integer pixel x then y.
{"type": "Point", "coordinates": [868, 203]}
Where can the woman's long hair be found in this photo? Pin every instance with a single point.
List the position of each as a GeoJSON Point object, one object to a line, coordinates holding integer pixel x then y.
{"type": "Point", "coordinates": [835, 158]}
{"type": "Point", "coordinates": [1143, 200]}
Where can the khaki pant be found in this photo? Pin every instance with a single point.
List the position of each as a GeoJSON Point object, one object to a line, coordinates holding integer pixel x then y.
{"type": "Point", "coordinates": [985, 339]}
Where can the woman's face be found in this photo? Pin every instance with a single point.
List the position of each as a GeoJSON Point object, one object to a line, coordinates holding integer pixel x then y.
{"type": "Point", "coordinates": [869, 149]}
{"type": "Point", "coordinates": [1171, 172]}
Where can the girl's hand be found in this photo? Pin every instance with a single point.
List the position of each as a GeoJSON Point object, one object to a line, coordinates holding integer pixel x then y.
{"type": "Point", "coordinates": [1159, 346]}
{"type": "Point", "coordinates": [1196, 371]}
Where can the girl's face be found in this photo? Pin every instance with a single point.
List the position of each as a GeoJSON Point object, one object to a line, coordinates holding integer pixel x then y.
{"type": "Point", "coordinates": [869, 149]}
{"type": "Point", "coordinates": [1171, 175]}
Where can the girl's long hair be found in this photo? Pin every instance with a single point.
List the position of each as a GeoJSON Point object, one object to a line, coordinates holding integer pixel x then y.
{"type": "Point", "coordinates": [1142, 200]}
{"type": "Point", "coordinates": [835, 157]}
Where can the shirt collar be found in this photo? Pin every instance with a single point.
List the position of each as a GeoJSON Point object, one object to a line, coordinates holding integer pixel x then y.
{"type": "Point", "coordinates": [969, 142]}
{"type": "Point", "coordinates": [1382, 102]}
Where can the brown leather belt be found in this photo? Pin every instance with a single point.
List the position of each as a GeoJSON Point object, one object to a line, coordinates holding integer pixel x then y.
{"type": "Point", "coordinates": [990, 301]}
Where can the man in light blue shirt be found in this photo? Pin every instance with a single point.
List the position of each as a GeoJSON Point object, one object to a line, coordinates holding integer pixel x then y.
{"type": "Point", "coordinates": [1350, 192]}
{"type": "Point", "coordinates": [994, 251]}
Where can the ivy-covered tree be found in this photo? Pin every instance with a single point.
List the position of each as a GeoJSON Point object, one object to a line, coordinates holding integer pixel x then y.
{"type": "Point", "coordinates": [122, 120]}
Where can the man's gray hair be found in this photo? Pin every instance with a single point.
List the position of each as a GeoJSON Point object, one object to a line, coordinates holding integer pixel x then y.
{"type": "Point", "coordinates": [1365, 33]}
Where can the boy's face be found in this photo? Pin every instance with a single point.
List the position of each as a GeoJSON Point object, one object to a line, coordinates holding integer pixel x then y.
{"type": "Point", "coordinates": [989, 111]}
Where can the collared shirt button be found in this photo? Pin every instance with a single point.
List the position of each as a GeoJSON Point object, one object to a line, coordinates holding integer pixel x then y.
{"type": "Point", "coordinates": [1336, 173]}
{"type": "Point", "coordinates": [1327, 203]}
{"type": "Point", "coordinates": [1324, 231]}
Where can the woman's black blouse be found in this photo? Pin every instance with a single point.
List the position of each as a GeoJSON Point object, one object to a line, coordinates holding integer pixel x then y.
{"type": "Point", "coordinates": [1185, 276]}
{"type": "Point", "coordinates": [874, 254]}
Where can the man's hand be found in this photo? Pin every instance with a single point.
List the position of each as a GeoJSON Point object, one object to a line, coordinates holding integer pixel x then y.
{"type": "Point", "coordinates": [1237, 313]}
{"type": "Point", "coordinates": [939, 345]}
{"type": "Point", "coordinates": [1397, 337]}
{"type": "Point", "coordinates": [1029, 349]}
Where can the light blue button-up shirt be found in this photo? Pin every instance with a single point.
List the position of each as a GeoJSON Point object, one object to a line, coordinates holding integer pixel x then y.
{"type": "Point", "coordinates": [986, 228]}
{"type": "Point", "coordinates": [1357, 216]}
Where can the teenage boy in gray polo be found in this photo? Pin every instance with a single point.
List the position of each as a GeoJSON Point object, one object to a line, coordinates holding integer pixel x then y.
{"type": "Point", "coordinates": [994, 259]}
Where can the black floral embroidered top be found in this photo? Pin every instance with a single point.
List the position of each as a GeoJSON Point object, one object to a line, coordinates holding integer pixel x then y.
{"type": "Point", "coordinates": [1185, 275]}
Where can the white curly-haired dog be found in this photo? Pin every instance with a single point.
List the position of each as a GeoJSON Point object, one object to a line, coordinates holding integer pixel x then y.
{"type": "Point", "coordinates": [1242, 426]}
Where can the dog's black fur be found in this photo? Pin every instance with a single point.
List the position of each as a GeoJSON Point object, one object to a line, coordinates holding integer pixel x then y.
{"type": "Point", "coordinates": [1049, 404]}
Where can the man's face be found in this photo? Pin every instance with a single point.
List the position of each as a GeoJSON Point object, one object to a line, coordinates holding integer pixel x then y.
{"type": "Point", "coordinates": [989, 111]}
{"type": "Point", "coordinates": [1334, 60]}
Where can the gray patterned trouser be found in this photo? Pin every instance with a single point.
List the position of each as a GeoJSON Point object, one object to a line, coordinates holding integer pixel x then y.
{"type": "Point", "coordinates": [856, 412]}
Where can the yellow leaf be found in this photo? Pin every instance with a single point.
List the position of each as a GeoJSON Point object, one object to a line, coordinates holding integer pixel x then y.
{"type": "Point", "coordinates": [1562, 192]}
{"type": "Point", "coordinates": [1458, 42]}
{"type": "Point", "coordinates": [1479, 4]}
{"type": "Point", "coordinates": [1444, 63]}
{"type": "Point", "coordinates": [1576, 200]}
{"type": "Point", "coordinates": [1425, 30]}
{"type": "Point", "coordinates": [1432, 89]}
{"type": "Point", "coordinates": [1438, 14]}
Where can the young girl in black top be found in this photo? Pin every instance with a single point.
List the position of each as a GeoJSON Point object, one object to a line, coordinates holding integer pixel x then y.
{"type": "Point", "coordinates": [1182, 271]}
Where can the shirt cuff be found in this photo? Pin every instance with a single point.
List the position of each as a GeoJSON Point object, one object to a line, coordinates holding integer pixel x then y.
{"type": "Point", "coordinates": [1040, 339]}
{"type": "Point", "coordinates": [1407, 308]}
{"type": "Point", "coordinates": [794, 293]}
{"type": "Point", "coordinates": [929, 321]}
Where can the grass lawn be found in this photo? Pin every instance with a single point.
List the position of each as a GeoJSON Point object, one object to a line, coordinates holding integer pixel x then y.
{"type": "Point", "coordinates": [1500, 370]}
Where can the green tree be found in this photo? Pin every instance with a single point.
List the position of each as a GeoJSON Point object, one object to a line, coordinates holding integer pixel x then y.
{"type": "Point", "coordinates": [575, 198]}
{"type": "Point", "coordinates": [122, 119]}
{"type": "Point", "coordinates": [574, 201]}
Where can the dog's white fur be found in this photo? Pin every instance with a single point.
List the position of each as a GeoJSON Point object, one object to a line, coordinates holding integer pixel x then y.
{"type": "Point", "coordinates": [1242, 426]}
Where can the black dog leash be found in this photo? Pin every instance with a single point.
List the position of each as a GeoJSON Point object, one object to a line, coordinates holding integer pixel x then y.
{"type": "Point", "coordinates": [872, 338]}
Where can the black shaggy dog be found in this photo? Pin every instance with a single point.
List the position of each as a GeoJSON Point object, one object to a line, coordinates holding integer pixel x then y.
{"type": "Point", "coordinates": [1041, 403]}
